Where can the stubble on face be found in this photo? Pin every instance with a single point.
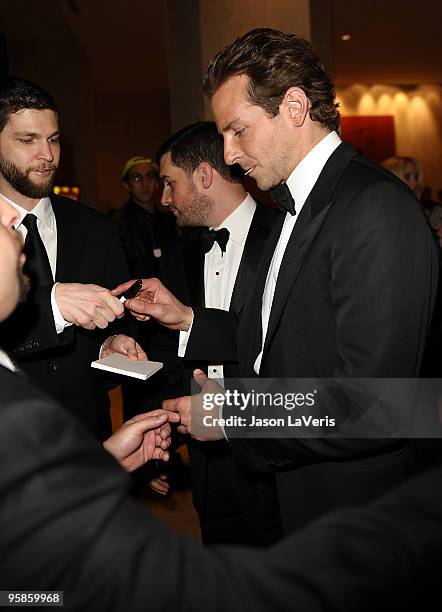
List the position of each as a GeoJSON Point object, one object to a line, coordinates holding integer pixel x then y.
{"type": "Point", "coordinates": [20, 180]}
{"type": "Point", "coordinates": [273, 161]}
{"type": "Point", "coordinates": [259, 143]}
{"type": "Point", "coordinates": [195, 209]}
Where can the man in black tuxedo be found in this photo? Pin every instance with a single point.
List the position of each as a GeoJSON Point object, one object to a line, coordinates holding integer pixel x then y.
{"type": "Point", "coordinates": [210, 270]}
{"type": "Point", "coordinates": [71, 525]}
{"type": "Point", "coordinates": [347, 281]}
{"type": "Point", "coordinates": [74, 258]}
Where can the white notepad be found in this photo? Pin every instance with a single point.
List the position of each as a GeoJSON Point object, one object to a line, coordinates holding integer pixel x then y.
{"type": "Point", "coordinates": [120, 364]}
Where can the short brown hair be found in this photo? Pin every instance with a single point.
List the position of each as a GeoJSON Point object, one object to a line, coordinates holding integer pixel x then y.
{"type": "Point", "coordinates": [17, 94]}
{"type": "Point", "coordinates": [274, 61]}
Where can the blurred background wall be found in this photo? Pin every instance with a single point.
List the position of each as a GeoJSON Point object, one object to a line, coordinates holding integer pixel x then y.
{"type": "Point", "coordinates": [125, 73]}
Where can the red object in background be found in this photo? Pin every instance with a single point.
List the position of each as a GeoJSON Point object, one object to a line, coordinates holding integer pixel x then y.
{"type": "Point", "coordinates": [372, 136]}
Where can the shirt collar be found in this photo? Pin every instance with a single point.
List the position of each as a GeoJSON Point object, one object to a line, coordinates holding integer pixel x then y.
{"type": "Point", "coordinates": [238, 222]}
{"type": "Point", "coordinates": [303, 178]}
{"type": "Point", "coordinates": [42, 210]}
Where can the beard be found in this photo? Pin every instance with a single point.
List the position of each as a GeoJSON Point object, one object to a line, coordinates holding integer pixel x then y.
{"type": "Point", "coordinates": [195, 210]}
{"type": "Point", "coordinates": [20, 181]}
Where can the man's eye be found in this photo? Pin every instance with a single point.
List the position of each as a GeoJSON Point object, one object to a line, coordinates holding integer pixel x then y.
{"type": "Point", "coordinates": [240, 132]}
{"type": "Point", "coordinates": [54, 140]}
{"type": "Point", "coordinates": [26, 140]}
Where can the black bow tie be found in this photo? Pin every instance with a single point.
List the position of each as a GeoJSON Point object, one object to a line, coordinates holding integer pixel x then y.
{"type": "Point", "coordinates": [209, 236]}
{"type": "Point", "coordinates": [283, 198]}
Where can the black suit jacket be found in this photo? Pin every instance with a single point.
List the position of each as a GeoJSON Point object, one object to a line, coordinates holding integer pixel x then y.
{"type": "Point", "coordinates": [184, 276]}
{"type": "Point", "coordinates": [354, 298]}
{"type": "Point", "coordinates": [68, 523]}
{"type": "Point", "coordinates": [213, 337]}
{"type": "Point", "coordinates": [88, 251]}
{"type": "Point", "coordinates": [142, 232]}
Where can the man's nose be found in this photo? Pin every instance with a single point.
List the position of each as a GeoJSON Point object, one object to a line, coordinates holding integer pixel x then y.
{"type": "Point", "coordinates": [146, 178]}
{"type": "Point", "coordinates": [231, 153]}
{"type": "Point", "coordinates": [45, 152]}
{"type": "Point", "coordinates": [165, 197]}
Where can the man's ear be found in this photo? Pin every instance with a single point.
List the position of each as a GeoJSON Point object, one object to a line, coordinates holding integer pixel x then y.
{"type": "Point", "coordinates": [204, 175]}
{"type": "Point", "coordinates": [296, 105]}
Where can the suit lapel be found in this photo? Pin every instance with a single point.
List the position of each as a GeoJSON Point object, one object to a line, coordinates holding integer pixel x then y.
{"type": "Point", "coordinates": [311, 218]}
{"type": "Point", "coordinates": [251, 327]}
{"type": "Point", "coordinates": [297, 249]}
{"type": "Point", "coordinates": [68, 241]}
{"type": "Point", "coordinates": [253, 250]}
{"type": "Point", "coordinates": [193, 257]}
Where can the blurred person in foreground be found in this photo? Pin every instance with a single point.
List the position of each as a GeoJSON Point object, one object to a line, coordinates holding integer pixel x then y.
{"type": "Point", "coordinates": [70, 525]}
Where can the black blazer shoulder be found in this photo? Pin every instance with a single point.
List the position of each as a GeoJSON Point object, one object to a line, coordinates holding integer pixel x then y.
{"type": "Point", "coordinates": [78, 214]}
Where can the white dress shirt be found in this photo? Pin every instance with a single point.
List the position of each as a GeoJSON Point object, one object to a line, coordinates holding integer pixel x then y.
{"type": "Point", "coordinates": [300, 183]}
{"type": "Point", "coordinates": [47, 228]}
{"type": "Point", "coordinates": [220, 270]}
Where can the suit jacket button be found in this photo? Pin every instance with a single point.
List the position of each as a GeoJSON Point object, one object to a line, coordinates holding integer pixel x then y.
{"type": "Point", "coordinates": [54, 365]}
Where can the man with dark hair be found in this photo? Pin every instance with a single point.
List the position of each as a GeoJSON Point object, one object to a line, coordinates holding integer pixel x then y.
{"type": "Point", "coordinates": [145, 231]}
{"type": "Point", "coordinates": [18, 94]}
{"type": "Point", "coordinates": [210, 270]}
{"type": "Point", "coordinates": [70, 525]}
{"type": "Point", "coordinates": [343, 290]}
{"type": "Point", "coordinates": [69, 246]}
{"type": "Point", "coordinates": [197, 143]}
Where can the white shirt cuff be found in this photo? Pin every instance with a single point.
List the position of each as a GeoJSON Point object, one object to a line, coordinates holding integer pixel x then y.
{"type": "Point", "coordinates": [184, 339]}
{"type": "Point", "coordinates": [60, 323]}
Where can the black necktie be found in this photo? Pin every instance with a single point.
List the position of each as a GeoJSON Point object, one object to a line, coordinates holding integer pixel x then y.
{"type": "Point", "coordinates": [209, 236]}
{"type": "Point", "coordinates": [37, 265]}
{"type": "Point", "coordinates": [283, 198]}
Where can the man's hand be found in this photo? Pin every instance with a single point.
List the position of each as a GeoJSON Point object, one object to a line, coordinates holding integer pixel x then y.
{"type": "Point", "coordinates": [154, 300]}
{"type": "Point", "coordinates": [145, 437]}
{"type": "Point", "coordinates": [183, 407]}
{"type": "Point", "coordinates": [192, 412]}
{"type": "Point", "coordinates": [123, 345]}
{"type": "Point", "coordinates": [88, 306]}
{"type": "Point", "coordinates": [160, 484]}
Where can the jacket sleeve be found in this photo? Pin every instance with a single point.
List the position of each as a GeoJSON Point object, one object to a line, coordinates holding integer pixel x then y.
{"type": "Point", "coordinates": [31, 328]}
{"type": "Point", "coordinates": [72, 526]}
{"type": "Point", "coordinates": [213, 336]}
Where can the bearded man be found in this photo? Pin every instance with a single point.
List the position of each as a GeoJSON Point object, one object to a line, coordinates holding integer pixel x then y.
{"type": "Point", "coordinates": [73, 258]}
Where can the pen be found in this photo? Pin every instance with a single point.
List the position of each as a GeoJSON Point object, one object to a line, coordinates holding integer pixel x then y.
{"type": "Point", "coordinates": [132, 291]}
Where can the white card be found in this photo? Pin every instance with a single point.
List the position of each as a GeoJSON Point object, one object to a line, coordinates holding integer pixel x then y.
{"type": "Point", "coordinates": [120, 364]}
